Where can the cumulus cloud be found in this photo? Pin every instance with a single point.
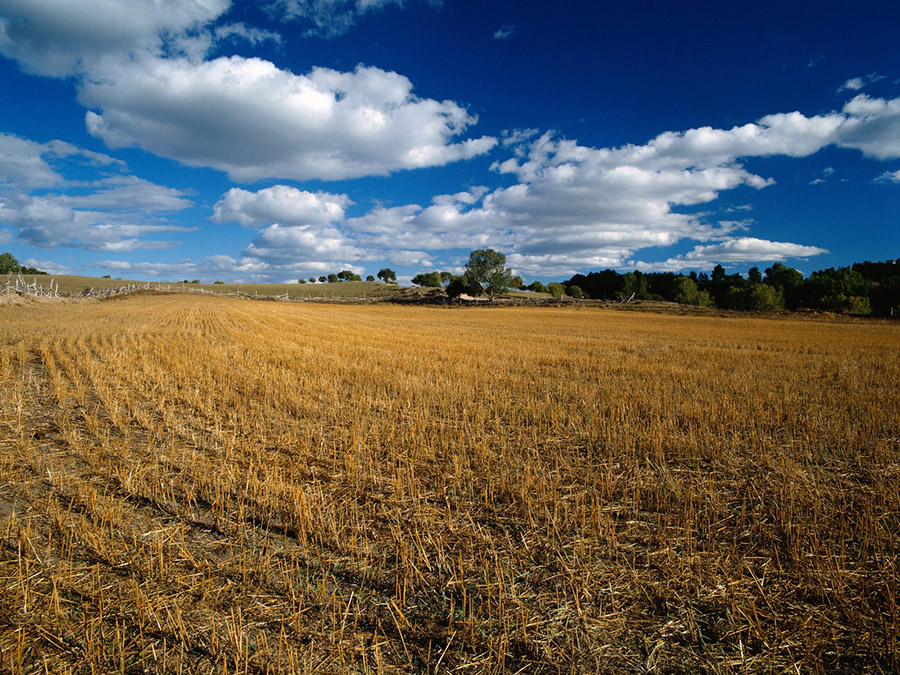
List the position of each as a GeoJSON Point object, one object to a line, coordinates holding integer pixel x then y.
{"type": "Point", "coordinates": [27, 165]}
{"type": "Point", "coordinates": [61, 37]}
{"type": "Point", "coordinates": [209, 268]}
{"type": "Point", "coordinates": [47, 266]}
{"type": "Point", "coordinates": [142, 71]}
{"type": "Point", "coordinates": [280, 242]}
{"type": "Point", "coordinates": [279, 204]}
{"type": "Point", "coordinates": [857, 83]}
{"type": "Point", "coordinates": [48, 222]}
{"type": "Point", "coordinates": [872, 125]}
{"type": "Point", "coordinates": [888, 177]}
{"type": "Point", "coordinates": [114, 212]}
{"type": "Point", "coordinates": [252, 120]}
{"type": "Point", "coordinates": [853, 84]}
{"type": "Point", "coordinates": [574, 207]}
{"type": "Point", "coordinates": [735, 251]}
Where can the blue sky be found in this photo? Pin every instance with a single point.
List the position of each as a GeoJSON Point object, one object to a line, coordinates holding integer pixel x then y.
{"type": "Point", "coordinates": [279, 139]}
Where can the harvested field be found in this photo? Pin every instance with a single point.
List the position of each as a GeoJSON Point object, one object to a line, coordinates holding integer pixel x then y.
{"type": "Point", "coordinates": [193, 484]}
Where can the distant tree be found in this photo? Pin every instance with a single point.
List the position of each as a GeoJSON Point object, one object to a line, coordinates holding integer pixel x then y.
{"type": "Point", "coordinates": [387, 275]}
{"type": "Point", "coordinates": [575, 292]}
{"type": "Point", "coordinates": [556, 289]}
{"type": "Point", "coordinates": [634, 284]}
{"type": "Point", "coordinates": [8, 263]}
{"type": "Point", "coordinates": [218, 282]}
{"type": "Point", "coordinates": [787, 280]}
{"type": "Point", "coordinates": [301, 281]}
{"type": "Point", "coordinates": [348, 275]}
{"type": "Point", "coordinates": [460, 285]}
{"type": "Point", "coordinates": [487, 268]}
{"type": "Point", "coordinates": [106, 276]}
{"type": "Point", "coordinates": [370, 278]}
{"type": "Point", "coordinates": [446, 278]}
{"type": "Point", "coordinates": [195, 281]}
{"type": "Point", "coordinates": [763, 298]}
{"type": "Point", "coordinates": [839, 290]}
{"type": "Point", "coordinates": [687, 293]}
{"type": "Point", "coordinates": [536, 287]}
{"type": "Point", "coordinates": [332, 278]}
{"type": "Point", "coordinates": [428, 279]}
{"type": "Point", "coordinates": [754, 276]}
{"type": "Point", "coordinates": [517, 282]}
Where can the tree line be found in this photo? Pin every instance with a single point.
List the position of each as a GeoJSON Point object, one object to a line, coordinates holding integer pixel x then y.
{"type": "Point", "coordinates": [862, 288]}
{"type": "Point", "coordinates": [9, 265]}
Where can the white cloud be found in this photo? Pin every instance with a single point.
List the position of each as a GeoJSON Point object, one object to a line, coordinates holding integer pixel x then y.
{"type": "Point", "coordinates": [209, 269]}
{"type": "Point", "coordinates": [252, 120]}
{"type": "Point", "coordinates": [62, 37]}
{"type": "Point", "coordinates": [873, 126]}
{"type": "Point", "coordinates": [328, 18]}
{"type": "Point", "coordinates": [48, 222]}
{"type": "Point", "coordinates": [853, 84]}
{"type": "Point", "coordinates": [504, 32]}
{"type": "Point", "coordinates": [575, 207]}
{"type": "Point", "coordinates": [735, 251]}
{"type": "Point", "coordinates": [25, 164]}
{"type": "Point", "coordinates": [888, 177]}
{"type": "Point", "coordinates": [279, 204]}
{"type": "Point", "coordinates": [47, 266]}
{"type": "Point", "coordinates": [240, 31]}
{"type": "Point", "coordinates": [857, 83]}
{"type": "Point", "coordinates": [300, 243]}
{"type": "Point", "coordinates": [141, 69]}
{"type": "Point", "coordinates": [115, 212]}
{"type": "Point", "coordinates": [5, 236]}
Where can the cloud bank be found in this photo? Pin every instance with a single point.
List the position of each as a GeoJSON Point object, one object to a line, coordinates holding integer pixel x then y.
{"type": "Point", "coordinates": [116, 211]}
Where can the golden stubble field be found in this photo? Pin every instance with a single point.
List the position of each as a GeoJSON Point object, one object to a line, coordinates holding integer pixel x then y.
{"type": "Point", "coordinates": [205, 485]}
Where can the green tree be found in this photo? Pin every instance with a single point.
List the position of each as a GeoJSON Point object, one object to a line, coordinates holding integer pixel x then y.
{"type": "Point", "coordinates": [333, 278]}
{"type": "Point", "coordinates": [575, 292]}
{"type": "Point", "coordinates": [687, 293]}
{"type": "Point", "coordinates": [428, 279]}
{"type": "Point", "coordinates": [8, 263]}
{"type": "Point", "coordinates": [536, 287]}
{"type": "Point", "coordinates": [387, 275]}
{"type": "Point", "coordinates": [446, 278]}
{"type": "Point", "coordinates": [459, 285]}
{"type": "Point", "coordinates": [487, 268]}
{"type": "Point", "coordinates": [556, 289]}
{"type": "Point", "coordinates": [763, 298]}
{"type": "Point", "coordinates": [370, 278]}
{"type": "Point", "coordinates": [634, 284]}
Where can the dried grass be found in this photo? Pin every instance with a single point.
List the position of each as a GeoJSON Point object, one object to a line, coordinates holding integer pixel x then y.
{"type": "Point", "coordinates": [192, 484]}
